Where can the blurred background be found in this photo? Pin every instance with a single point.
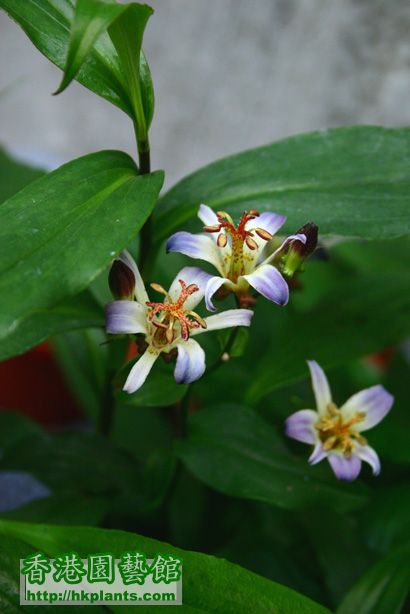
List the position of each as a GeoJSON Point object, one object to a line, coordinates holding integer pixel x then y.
{"type": "Point", "coordinates": [228, 76]}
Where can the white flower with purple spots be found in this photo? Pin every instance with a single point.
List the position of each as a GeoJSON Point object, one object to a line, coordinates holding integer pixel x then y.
{"type": "Point", "coordinates": [336, 433]}
{"type": "Point", "coordinates": [170, 324]}
{"type": "Point", "coordinates": [238, 253]}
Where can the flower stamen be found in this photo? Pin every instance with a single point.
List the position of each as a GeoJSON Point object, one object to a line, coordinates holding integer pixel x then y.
{"type": "Point", "coordinates": [171, 312]}
{"type": "Point", "coordinates": [338, 434]}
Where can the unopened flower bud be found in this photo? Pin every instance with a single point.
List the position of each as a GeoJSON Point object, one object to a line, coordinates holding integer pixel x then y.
{"type": "Point", "coordinates": [299, 251]}
{"type": "Point", "coordinates": [121, 280]}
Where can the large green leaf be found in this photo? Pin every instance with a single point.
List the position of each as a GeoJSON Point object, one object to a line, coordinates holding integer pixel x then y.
{"type": "Point", "coordinates": [235, 451]}
{"type": "Point", "coordinates": [78, 312]}
{"type": "Point", "coordinates": [209, 584]}
{"type": "Point", "coordinates": [350, 181]}
{"type": "Point", "coordinates": [14, 175]}
{"type": "Point", "coordinates": [58, 233]}
{"type": "Point", "coordinates": [48, 23]}
{"type": "Point", "coordinates": [361, 315]}
{"type": "Point", "coordinates": [383, 588]}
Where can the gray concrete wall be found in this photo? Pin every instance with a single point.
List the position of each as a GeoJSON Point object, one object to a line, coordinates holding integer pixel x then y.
{"type": "Point", "coordinates": [229, 75]}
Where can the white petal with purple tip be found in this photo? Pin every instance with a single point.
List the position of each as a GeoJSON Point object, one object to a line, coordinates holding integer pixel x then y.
{"type": "Point", "coordinates": [297, 237]}
{"type": "Point", "coordinates": [320, 386]}
{"type": "Point", "coordinates": [190, 362]}
{"type": "Point", "coordinates": [268, 221]}
{"type": "Point", "coordinates": [190, 275]}
{"type": "Point", "coordinates": [301, 426]}
{"type": "Point", "coordinates": [226, 319]}
{"type": "Point", "coordinates": [213, 286]}
{"type": "Point", "coordinates": [140, 371]}
{"type": "Point", "coordinates": [345, 468]}
{"type": "Point", "coordinates": [140, 292]}
{"type": "Point", "coordinates": [375, 402]}
{"type": "Point", "coordinates": [370, 456]}
{"type": "Point", "coordinates": [267, 280]}
{"type": "Point", "coordinates": [198, 246]}
{"type": "Point", "coordinates": [125, 317]}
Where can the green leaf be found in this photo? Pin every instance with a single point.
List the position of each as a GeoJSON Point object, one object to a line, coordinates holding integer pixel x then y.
{"type": "Point", "coordinates": [376, 306]}
{"type": "Point", "coordinates": [14, 428]}
{"type": "Point", "coordinates": [48, 23]}
{"type": "Point", "coordinates": [209, 584]}
{"type": "Point", "coordinates": [235, 451]}
{"type": "Point", "coordinates": [386, 522]}
{"type": "Point", "coordinates": [352, 182]}
{"type": "Point", "coordinates": [11, 551]}
{"type": "Point", "coordinates": [14, 175]}
{"type": "Point", "coordinates": [383, 588]}
{"type": "Point", "coordinates": [59, 233]}
{"type": "Point", "coordinates": [75, 313]}
{"type": "Point", "coordinates": [126, 24]}
{"type": "Point", "coordinates": [61, 509]}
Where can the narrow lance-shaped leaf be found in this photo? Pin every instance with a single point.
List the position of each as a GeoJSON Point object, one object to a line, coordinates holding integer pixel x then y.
{"type": "Point", "coordinates": [128, 21]}
{"type": "Point", "coordinates": [350, 181]}
{"type": "Point", "coordinates": [234, 589]}
{"type": "Point", "coordinates": [48, 24]}
{"type": "Point", "coordinates": [58, 233]}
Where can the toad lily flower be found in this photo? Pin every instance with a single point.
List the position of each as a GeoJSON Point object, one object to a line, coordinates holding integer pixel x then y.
{"type": "Point", "coordinates": [170, 324]}
{"type": "Point", "coordinates": [238, 253]}
{"type": "Point", "coordinates": [336, 433]}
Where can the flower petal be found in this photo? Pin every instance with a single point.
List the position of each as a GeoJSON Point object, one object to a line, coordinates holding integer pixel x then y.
{"type": "Point", "coordinates": [207, 215]}
{"type": "Point", "coordinates": [140, 292]}
{"type": "Point", "coordinates": [213, 286]}
{"type": "Point", "coordinates": [125, 317]}
{"type": "Point", "coordinates": [198, 246]}
{"type": "Point", "coordinates": [375, 402]}
{"type": "Point", "coordinates": [345, 468]}
{"type": "Point", "coordinates": [226, 319]}
{"type": "Point", "coordinates": [190, 275]}
{"type": "Point", "coordinates": [267, 280]}
{"type": "Point", "coordinates": [318, 454]}
{"type": "Point", "coordinates": [370, 456]}
{"type": "Point", "coordinates": [268, 221]}
{"type": "Point", "coordinates": [320, 386]}
{"type": "Point", "coordinates": [190, 362]}
{"type": "Point", "coordinates": [140, 371]}
{"type": "Point", "coordinates": [301, 426]}
{"type": "Point", "coordinates": [297, 237]}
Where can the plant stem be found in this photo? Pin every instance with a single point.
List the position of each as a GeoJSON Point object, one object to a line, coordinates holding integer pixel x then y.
{"type": "Point", "coordinates": [146, 231]}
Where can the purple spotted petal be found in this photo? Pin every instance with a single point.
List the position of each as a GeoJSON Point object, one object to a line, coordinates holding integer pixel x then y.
{"type": "Point", "coordinates": [140, 371]}
{"type": "Point", "coordinates": [345, 468]}
{"type": "Point", "coordinates": [268, 221]}
{"type": "Point", "coordinates": [317, 455]}
{"type": "Point", "coordinates": [320, 386]}
{"type": "Point", "coordinates": [300, 426]}
{"type": "Point", "coordinates": [267, 280]}
{"type": "Point", "coordinates": [213, 286]}
{"type": "Point", "coordinates": [198, 246]}
{"type": "Point", "coordinates": [190, 362]}
{"type": "Point", "coordinates": [375, 402]}
{"type": "Point", "coordinates": [370, 456]}
{"type": "Point", "coordinates": [125, 317]}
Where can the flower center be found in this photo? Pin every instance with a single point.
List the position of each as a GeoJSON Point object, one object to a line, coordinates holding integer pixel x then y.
{"type": "Point", "coordinates": [338, 434]}
{"type": "Point", "coordinates": [170, 319]}
{"type": "Point", "coordinates": [239, 238]}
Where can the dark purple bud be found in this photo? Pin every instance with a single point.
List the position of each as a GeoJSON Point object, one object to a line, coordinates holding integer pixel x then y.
{"type": "Point", "coordinates": [121, 280]}
{"type": "Point", "coordinates": [298, 251]}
